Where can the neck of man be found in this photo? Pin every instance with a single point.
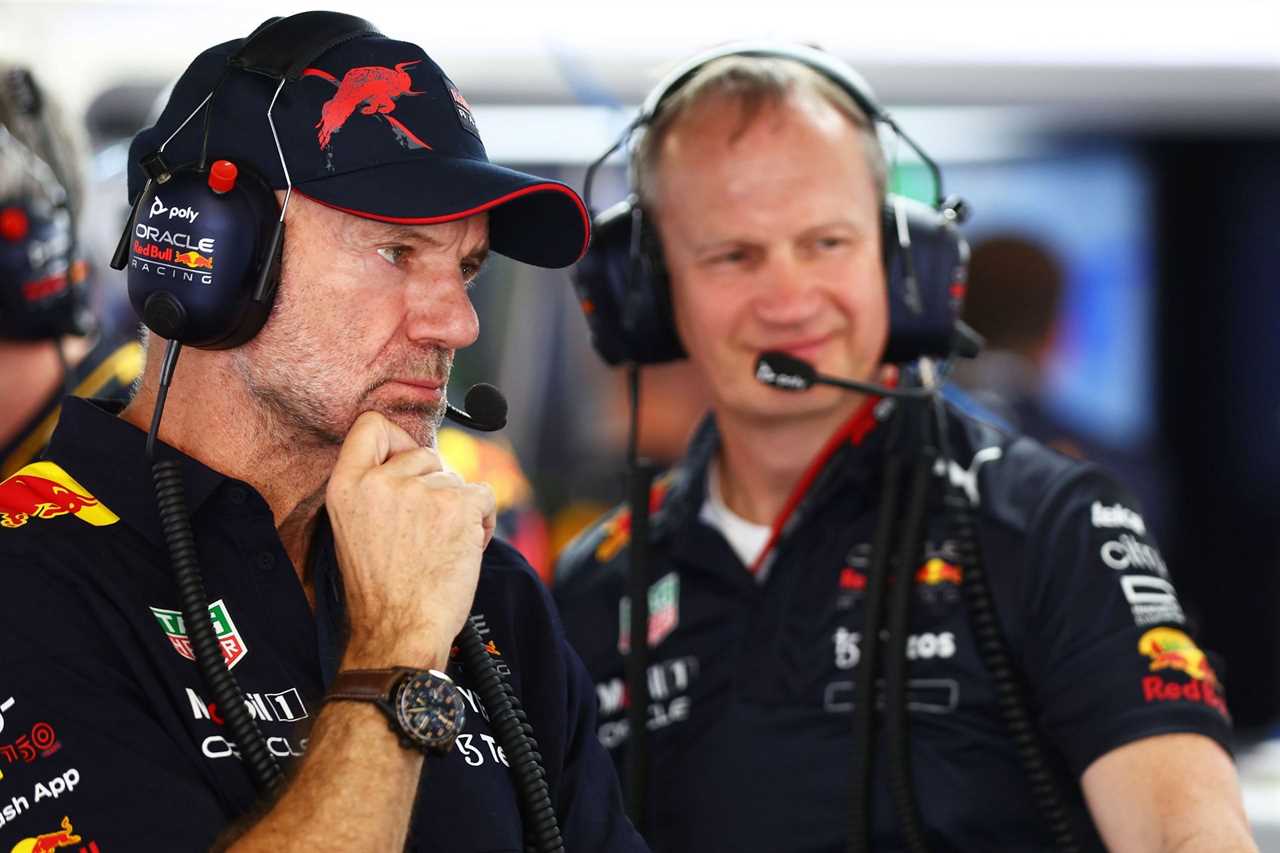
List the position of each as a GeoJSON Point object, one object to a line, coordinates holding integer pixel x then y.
{"type": "Point", "coordinates": [32, 374]}
{"type": "Point", "coordinates": [761, 461]}
{"type": "Point", "coordinates": [232, 433]}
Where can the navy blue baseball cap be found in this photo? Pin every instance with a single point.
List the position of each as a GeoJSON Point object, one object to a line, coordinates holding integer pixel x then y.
{"type": "Point", "coordinates": [371, 127]}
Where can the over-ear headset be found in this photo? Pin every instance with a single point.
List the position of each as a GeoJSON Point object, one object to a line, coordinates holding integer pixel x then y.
{"type": "Point", "coordinates": [204, 240]}
{"type": "Point", "coordinates": [622, 281]}
{"type": "Point", "coordinates": [42, 282]}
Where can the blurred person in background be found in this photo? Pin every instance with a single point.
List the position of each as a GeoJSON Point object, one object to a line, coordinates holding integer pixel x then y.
{"type": "Point", "coordinates": [673, 399]}
{"type": "Point", "coordinates": [1014, 300]}
{"type": "Point", "coordinates": [50, 344]}
{"type": "Point", "coordinates": [762, 184]}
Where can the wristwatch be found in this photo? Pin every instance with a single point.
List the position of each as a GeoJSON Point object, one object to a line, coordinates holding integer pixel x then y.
{"type": "Point", "coordinates": [425, 710]}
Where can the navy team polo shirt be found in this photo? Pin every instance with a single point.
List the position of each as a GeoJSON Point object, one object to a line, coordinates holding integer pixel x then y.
{"type": "Point", "coordinates": [754, 667]}
{"type": "Point", "coordinates": [109, 738]}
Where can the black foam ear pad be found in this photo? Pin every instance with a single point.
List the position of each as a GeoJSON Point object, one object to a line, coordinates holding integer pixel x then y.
{"type": "Point", "coordinates": [623, 289]}
{"type": "Point", "coordinates": [205, 251]}
{"type": "Point", "coordinates": [926, 267]}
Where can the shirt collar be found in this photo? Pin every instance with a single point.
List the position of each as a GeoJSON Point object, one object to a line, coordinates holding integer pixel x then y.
{"type": "Point", "coordinates": [849, 459]}
{"type": "Point", "coordinates": [107, 455]}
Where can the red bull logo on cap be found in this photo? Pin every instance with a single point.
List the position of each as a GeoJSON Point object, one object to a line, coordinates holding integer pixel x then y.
{"type": "Point", "coordinates": [373, 90]}
{"type": "Point", "coordinates": [43, 490]}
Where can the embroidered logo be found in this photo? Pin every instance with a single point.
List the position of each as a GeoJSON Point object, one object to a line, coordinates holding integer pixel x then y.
{"type": "Point", "coordinates": [233, 646]}
{"type": "Point", "coordinates": [373, 90]}
{"type": "Point", "coordinates": [43, 490]}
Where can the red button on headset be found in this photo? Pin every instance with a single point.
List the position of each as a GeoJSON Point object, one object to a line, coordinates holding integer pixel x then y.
{"type": "Point", "coordinates": [222, 177]}
{"type": "Point", "coordinates": [13, 224]}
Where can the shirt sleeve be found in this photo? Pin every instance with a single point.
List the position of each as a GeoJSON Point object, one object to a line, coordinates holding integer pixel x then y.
{"type": "Point", "coordinates": [1107, 649]}
{"type": "Point", "coordinates": [85, 758]}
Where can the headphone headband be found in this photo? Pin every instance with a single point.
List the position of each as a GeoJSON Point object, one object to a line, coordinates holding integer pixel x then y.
{"type": "Point", "coordinates": [820, 61]}
{"type": "Point", "coordinates": [281, 48]}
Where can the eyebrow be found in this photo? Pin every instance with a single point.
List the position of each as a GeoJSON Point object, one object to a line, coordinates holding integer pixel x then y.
{"type": "Point", "coordinates": [413, 235]}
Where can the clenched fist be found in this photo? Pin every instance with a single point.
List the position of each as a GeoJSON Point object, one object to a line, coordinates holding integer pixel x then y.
{"type": "Point", "coordinates": [409, 538]}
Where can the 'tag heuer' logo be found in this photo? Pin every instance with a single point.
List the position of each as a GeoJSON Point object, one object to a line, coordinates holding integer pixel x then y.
{"type": "Point", "coordinates": [44, 490]}
{"type": "Point", "coordinates": [233, 647]}
{"type": "Point", "coordinates": [373, 89]}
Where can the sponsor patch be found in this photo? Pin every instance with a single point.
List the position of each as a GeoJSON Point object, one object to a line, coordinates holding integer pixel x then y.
{"type": "Point", "coordinates": [664, 612]}
{"type": "Point", "coordinates": [1128, 553]}
{"type": "Point", "coordinates": [64, 837]}
{"type": "Point", "coordinates": [460, 105]}
{"type": "Point", "coordinates": [229, 639]}
{"type": "Point", "coordinates": [1171, 650]}
{"type": "Point", "coordinates": [1151, 599]}
{"type": "Point", "coordinates": [43, 490]}
{"type": "Point", "coordinates": [40, 742]}
{"type": "Point", "coordinates": [285, 707]}
{"type": "Point", "coordinates": [1116, 515]}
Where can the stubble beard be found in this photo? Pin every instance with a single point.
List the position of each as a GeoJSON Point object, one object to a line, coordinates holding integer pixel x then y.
{"type": "Point", "coordinates": [304, 408]}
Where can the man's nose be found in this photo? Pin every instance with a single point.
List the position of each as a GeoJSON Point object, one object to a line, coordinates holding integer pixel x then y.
{"type": "Point", "coordinates": [788, 294]}
{"type": "Point", "coordinates": [438, 311]}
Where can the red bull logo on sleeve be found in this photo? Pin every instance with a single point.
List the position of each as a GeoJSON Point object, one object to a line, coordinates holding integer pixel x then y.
{"type": "Point", "coordinates": [1170, 650]}
{"type": "Point", "coordinates": [229, 639]}
{"type": "Point", "coordinates": [65, 837]}
{"type": "Point", "coordinates": [373, 90]}
{"type": "Point", "coordinates": [43, 490]}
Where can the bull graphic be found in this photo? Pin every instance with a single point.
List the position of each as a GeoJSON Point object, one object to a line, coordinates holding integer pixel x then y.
{"type": "Point", "coordinates": [373, 90]}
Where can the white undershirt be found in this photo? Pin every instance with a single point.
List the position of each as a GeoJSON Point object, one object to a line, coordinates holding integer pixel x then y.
{"type": "Point", "coordinates": [746, 538]}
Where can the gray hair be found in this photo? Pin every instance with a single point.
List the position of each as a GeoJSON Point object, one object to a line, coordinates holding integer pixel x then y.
{"type": "Point", "coordinates": [753, 82]}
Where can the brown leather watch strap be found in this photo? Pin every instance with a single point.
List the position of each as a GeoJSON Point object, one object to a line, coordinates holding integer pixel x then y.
{"type": "Point", "coordinates": [366, 684]}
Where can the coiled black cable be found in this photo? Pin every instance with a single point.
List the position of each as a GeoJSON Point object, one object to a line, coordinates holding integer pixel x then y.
{"type": "Point", "coordinates": [901, 785]}
{"type": "Point", "coordinates": [864, 695]}
{"type": "Point", "coordinates": [515, 735]}
{"type": "Point", "coordinates": [1010, 691]}
{"type": "Point", "coordinates": [171, 503]}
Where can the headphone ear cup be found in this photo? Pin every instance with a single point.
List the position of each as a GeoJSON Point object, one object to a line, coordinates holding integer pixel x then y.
{"type": "Point", "coordinates": [925, 272]}
{"type": "Point", "coordinates": [622, 288]}
{"type": "Point", "coordinates": [196, 257]}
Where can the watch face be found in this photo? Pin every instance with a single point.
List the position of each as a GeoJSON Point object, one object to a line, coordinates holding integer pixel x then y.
{"type": "Point", "coordinates": [429, 710]}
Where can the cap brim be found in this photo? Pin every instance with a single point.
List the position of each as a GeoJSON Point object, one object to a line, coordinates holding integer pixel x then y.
{"type": "Point", "coordinates": [531, 219]}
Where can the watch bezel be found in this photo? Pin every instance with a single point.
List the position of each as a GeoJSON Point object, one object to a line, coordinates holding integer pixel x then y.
{"type": "Point", "coordinates": [443, 710]}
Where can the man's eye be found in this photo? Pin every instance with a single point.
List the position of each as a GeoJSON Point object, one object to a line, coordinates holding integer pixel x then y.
{"type": "Point", "coordinates": [470, 271]}
{"type": "Point", "coordinates": [733, 256]}
{"type": "Point", "coordinates": [393, 254]}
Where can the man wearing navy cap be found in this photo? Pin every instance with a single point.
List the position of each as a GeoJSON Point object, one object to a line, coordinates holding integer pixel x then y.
{"type": "Point", "coordinates": [334, 548]}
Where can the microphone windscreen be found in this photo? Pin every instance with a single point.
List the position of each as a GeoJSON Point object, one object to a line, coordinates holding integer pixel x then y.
{"type": "Point", "coordinates": [485, 404]}
{"type": "Point", "coordinates": [785, 372]}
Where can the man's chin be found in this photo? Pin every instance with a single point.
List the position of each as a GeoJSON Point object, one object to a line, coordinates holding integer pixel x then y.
{"type": "Point", "coordinates": [420, 421]}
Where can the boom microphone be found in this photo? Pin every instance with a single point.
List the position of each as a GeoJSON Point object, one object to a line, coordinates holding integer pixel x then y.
{"type": "Point", "coordinates": [485, 409]}
{"type": "Point", "coordinates": [788, 373]}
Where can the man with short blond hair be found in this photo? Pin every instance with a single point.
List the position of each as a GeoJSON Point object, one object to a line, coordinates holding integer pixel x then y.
{"type": "Point", "coordinates": [765, 194]}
